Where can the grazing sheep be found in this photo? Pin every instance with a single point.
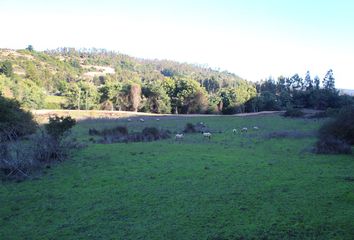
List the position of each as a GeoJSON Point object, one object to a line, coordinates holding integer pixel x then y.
{"type": "Point", "coordinates": [244, 129]}
{"type": "Point", "coordinates": [234, 130]}
{"type": "Point", "coordinates": [129, 120]}
{"type": "Point", "coordinates": [207, 135]}
{"type": "Point", "coordinates": [255, 128]}
{"type": "Point", "coordinates": [157, 119]}
{"type": "Point", "coordinates": [141, 120]}
{"type": "Point", "coordinates": [179, 136]}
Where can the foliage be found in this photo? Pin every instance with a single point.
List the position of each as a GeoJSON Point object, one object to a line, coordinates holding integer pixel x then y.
{"type": "Point", "coordinates": [19, 159]}
{"type": "Point", "coordinates": [135, 96]}
{"type": "Point", "coordinates": [119, 130]}
{"type": "Point", "coordinates": [185, 93]}
{"type": "Point", "coordinates": [157, 86]}
{"type": "Point", "coordinates": [6, 68]}
{"type": "Point", "coordinates": [81, 95]}
{"type": "Point", "coordinates": [14, 121]}
{"type": "Point", "coordinates": [332, 145]}
{"type": "Point", "coordinates": [57, 126]}
{"type": "Point", "coordinates": [30, 48]}
{"type": "Point", "coordinates": [293, 112]}
{"type": "Point", "coordinates": [297, 92]}
{"type": "Point", "coordinates": [157, 100]}
{"type": "Point", "coordinates": [30, 95]}
{"type": "Point", "coordinates": [189, 128]}
{"type": "Point", "coordinates": [342, 127]}
{"type": "Point", "coordinates": [329, 81]}
{"type": "Point", "coordinates": [121, 134]}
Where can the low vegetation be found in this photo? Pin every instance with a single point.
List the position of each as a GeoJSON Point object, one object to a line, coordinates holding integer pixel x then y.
{"type": "Point", "coordinates": [24, 147]}
{"type": "Point", "coordinates": [293, 112]}
{"type": "Point", "coordinates": [121, 134]}
{"type": "Point", "coordinates": [337, 135]}
{"type": "Point", "coordinates": [14, 122]}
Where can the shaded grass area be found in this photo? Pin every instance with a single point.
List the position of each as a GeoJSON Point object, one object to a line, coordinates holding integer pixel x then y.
{"type": "Point", "coordinates": [232, 187]}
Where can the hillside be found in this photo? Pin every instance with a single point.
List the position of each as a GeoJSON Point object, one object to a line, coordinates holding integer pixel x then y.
{"type": "Point", "coordinates": [101, 75]}
{"type": "Point", "coordinates": [97, 79]}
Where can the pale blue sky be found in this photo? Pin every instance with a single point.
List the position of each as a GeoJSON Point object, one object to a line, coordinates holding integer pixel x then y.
{"type": "Point", "coordinates": [254, 39]}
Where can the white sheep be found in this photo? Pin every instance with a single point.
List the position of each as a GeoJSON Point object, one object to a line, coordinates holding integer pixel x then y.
{"type": "Point", "coordinates": [157, 119]}
{"type": "Point", "coordinates": [244, 129]}
{"type": "Point", "coordinates": [207, 135]}
{"type": "Point", "coordinates": [234, 131]}
{"type": "Point", "coordinates": [179, 136]}
{"type": "Point", "coordinates": [255, 128]}
{"type": "Point", "coordinates": [141, 120]}
{"type": "Point", "coordinates": [129, 120]}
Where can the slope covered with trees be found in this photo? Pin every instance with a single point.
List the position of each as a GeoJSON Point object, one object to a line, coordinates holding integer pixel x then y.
{"type": "Point", "coordinates": [101, 79]}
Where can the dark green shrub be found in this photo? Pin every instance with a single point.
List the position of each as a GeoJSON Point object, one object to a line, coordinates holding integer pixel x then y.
{"type": "Point", "coordinates": [18, 159]}
{"type": "Point", "coordinates": [331, 145]}
{"type": "Point", "coordinates": [120, 134]}
{"type": "Point", "coordinates": [119, 130]}
{"type": "Point", "coordinates": [94, 131]}
{"type": "Point", "coordinates": [229, 110]}
{"type": "Point", "coordinates": [151, 133]}
{"type": "Point", "coordinates": [189, 128]}
{"type": "Point", "coordinates": [293, 112]}
{"type": "Point", "coordinates": [57, 126]}
{"type": "Point", "coordinates": [14, 121]}
{"type": "Point", "coordinates": [342, 127]}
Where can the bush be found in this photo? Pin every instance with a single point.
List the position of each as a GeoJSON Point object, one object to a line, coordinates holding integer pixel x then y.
{"type": "Point", "coordinates": [18, 159]}
{"type": "Point", "coordinates": [331, 145]}
{"type": "Point", "coordinates": [14, 122]}
{"type": "Point", "coordinates": [120, 134]}
{"type": "Point", "coordinates": [94, 131]}
{"type": "Point", "coordinates": [193, 128]}
{"type": "Point", "coordinates": [120, 130]}
{"type": "Point", "coordinates": [229, 110]}
{"type": "Point", "coordinates": [189, 128]}
{"type": "Point", "coordinates": [151, 133]}
{"type": "Point", "coordinates": [342, 127]}
{"type": "Point", "coordinates": [293, 112]}
{"type": "Point", "coordinates": [57, 126]}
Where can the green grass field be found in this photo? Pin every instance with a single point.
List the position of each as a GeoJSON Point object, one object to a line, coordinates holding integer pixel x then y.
{"type": "Point", "coordinates": [247, 186]}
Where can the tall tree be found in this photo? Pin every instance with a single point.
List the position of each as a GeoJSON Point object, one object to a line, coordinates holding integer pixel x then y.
{"type": "Point", "coordinates": [316, 81]}
{"type": "Point", "coordinates": [30, 48]}
{"type": "Point", "coordinates": [308, 81]}
{"type": "Point", "coordinates": [157, 100]}
{"type": "Point", "coordinates": [329, 81]}
{"type": "Point", "coordinates": [135, 96]}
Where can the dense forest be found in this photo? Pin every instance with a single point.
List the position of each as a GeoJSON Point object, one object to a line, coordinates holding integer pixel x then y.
{"type": "Point", "coordinates": [99, 79]}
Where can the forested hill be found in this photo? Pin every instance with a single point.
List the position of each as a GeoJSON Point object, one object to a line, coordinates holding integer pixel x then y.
{"type": "Point", "coordinates": [101, 79]}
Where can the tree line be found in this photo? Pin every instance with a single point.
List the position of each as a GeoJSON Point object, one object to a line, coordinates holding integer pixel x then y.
{"type": "Point", "coordinates": [298, 92]}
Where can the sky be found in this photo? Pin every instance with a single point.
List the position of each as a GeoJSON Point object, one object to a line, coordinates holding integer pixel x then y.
{"type": "Point", "coordinates": [254, 39]}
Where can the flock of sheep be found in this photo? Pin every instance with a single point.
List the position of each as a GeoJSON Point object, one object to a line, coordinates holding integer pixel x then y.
{"type": "Point", "coordinates": [180, 136]}
{"type": "Point", "coordinates": [207, 135]}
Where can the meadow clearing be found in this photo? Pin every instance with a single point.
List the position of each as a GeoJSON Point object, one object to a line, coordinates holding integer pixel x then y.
{"type": "Point", "coordinates": [263, 184]}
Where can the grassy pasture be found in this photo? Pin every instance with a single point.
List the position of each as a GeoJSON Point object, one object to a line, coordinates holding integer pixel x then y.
{"type": "Point", "coordinates": [245, 186]}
